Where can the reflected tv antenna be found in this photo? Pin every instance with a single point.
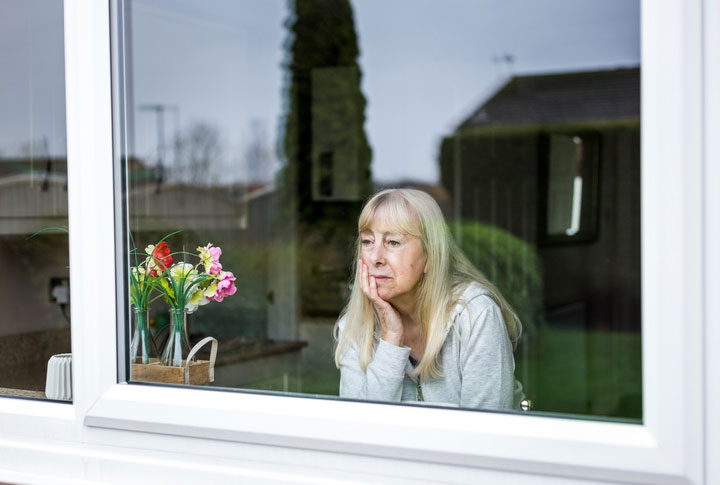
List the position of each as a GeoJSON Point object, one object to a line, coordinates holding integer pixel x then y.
{"type": "Point", "coordinates": [505, 60]}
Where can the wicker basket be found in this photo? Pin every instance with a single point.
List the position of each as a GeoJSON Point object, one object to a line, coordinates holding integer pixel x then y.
{"type": "Point", "coordinates": [193, 373]}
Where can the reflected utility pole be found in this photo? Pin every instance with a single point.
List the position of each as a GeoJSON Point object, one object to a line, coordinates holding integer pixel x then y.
{"type": "Point", "coordinates": [160, 110]}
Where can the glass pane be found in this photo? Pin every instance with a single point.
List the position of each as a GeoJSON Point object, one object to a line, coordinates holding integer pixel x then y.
{"type": "Point", "coordinates": [35, 286]}
{"type": "Point", "coordinates": [265, 127]}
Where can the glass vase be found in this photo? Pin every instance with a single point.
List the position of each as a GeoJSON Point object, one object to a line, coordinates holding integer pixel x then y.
{"type": "Point", "coordinates": [140, 342]}
{"type": "Point", "coordinates": [177, 347]}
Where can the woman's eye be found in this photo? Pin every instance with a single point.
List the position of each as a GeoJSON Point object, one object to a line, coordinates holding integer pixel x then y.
{"type": "Point", "coordinates": [366, 242]}
{"type": "Point", "coordinates": [393, 244]}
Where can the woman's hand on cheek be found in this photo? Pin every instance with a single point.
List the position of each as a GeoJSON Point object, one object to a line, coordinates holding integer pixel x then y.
{"type": "Point", "coordinates": [390, 321]}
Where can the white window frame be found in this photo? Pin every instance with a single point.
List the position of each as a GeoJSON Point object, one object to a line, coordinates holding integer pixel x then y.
{"type": "Point", "coordinates": [678, 274]}
{"type": "Point", "coordinates": [711, 276]}
{"type": "Point", "coordinates": [711, 118]}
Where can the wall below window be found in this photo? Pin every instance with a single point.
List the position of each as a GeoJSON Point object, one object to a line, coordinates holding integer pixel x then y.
{"type": "Point", "coordinates": [143, 458]}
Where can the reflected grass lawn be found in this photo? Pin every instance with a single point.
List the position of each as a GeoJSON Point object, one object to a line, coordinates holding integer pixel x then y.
{"type": "Point", "coordinates": [573, 371]}
{"type": "Point", "coordinates": [566, 371]}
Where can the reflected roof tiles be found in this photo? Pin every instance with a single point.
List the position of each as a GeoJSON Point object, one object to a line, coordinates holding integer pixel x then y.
{"type": "Point", "coordinates": [588, 96]}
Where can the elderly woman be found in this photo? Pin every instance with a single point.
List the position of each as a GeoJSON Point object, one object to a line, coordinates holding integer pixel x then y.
{"type": "Point", "coordinates": [422, 323]}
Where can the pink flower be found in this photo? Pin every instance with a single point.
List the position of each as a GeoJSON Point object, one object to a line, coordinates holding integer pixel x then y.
{"type": "Point", "coordinates": [210, 257]}
{"type": "Point", "coordinates": [225, 287]}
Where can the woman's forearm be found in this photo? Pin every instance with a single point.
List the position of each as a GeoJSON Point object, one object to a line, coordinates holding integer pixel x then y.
{"type": "Point", "coordinates": [383, 378]}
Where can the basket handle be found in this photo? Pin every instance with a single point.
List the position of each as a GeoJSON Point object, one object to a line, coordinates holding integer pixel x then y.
{"type": "Point", "coordinates": [194, 350]}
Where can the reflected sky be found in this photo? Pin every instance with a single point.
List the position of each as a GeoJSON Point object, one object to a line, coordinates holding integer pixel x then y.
{"type": "Point", "coordinates": [426, 64]}
{"type": "Point", "coordinates": [32, 83]}
{"type": "Point", "coordinates": [429, 64]}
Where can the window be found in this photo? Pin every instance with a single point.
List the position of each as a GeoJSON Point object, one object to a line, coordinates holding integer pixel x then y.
{"type": "Point", "coordinates": [668, 445]}
{"type": "Point", "coordinates": [262, 128]}
{"type": "Point", "coordinates": [35, 284]}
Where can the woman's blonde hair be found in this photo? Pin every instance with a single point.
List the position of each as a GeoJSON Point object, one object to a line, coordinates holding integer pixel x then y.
{"type": "Point", "coordinates": [449, 272]}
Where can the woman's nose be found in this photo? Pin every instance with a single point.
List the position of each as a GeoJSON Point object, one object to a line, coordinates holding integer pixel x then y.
{"type": "Point", "coordinates": [377, 256]}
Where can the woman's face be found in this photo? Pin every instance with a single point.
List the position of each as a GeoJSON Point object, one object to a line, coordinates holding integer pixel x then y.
{"type": "Point", "coordinates": [396, 260]}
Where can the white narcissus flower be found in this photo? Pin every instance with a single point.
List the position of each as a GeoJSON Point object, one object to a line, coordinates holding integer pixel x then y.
{"type": "Point", "coordinates": [201, 297]}
{"type": "Point", "coordinates": [138, 276]}
{"type": "Point", "coordinates": [138, 271]}
{"type": "Point", "coordinates": [183, 270]}
{"type": "Point", "coordinates": [190, 274]}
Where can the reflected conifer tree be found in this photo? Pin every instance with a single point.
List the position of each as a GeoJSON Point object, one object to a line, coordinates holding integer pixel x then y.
{"type": "Point", "coordinates": [326, 175]}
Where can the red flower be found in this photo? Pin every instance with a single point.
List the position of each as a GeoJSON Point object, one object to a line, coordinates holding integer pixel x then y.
{"type": "Point", "coordinates": [161, 259]}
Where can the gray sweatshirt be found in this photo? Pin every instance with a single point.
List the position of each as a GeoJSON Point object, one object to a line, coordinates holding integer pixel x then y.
{"type": "Point", "coordinates": [476, 362]}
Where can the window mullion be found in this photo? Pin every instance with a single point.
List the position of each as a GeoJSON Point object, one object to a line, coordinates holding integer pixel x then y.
{"type": "Point", "coordinates": [90, 188]}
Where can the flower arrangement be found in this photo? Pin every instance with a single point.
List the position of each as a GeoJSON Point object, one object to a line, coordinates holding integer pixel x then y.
{"type": "Point", "coordinates": [184, 287]}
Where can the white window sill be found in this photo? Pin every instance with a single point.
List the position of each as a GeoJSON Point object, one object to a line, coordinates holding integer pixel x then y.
{"type": "Point", "coordinates": [520, 443]}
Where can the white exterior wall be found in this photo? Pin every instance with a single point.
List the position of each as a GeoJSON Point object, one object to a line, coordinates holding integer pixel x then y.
{"type": "Point", "coordinates": [116, 433]}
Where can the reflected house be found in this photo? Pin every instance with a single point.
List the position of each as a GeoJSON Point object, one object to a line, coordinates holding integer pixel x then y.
{"type": "Point", "coordinates": [183, 206]}
{"type": "Point", "coordinates": [33, 195]}
{"type": "Point", "coordinates": [30, 198]}
{"type": "Point", "coordinates": [554, 159]}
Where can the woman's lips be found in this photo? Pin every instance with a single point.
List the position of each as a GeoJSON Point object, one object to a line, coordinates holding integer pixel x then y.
{"type": "Point", "coordinates": [381, 278]}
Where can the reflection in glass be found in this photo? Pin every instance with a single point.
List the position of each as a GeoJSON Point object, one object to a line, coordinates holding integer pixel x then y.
{"type": "Point", "coordinates": [572, 177]}
{"type": "Point", "coordinates": [264, 126]}
{"type": "Point", "coordinates": [35, 285]}
{"type": "Point", "coordinates": [565, 185]}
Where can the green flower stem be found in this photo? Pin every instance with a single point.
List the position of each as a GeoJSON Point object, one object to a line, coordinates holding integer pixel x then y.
{"type": "Point", "coordinates": [140, 344]}
{"type": "Point", "coordinates": [173, 354]}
